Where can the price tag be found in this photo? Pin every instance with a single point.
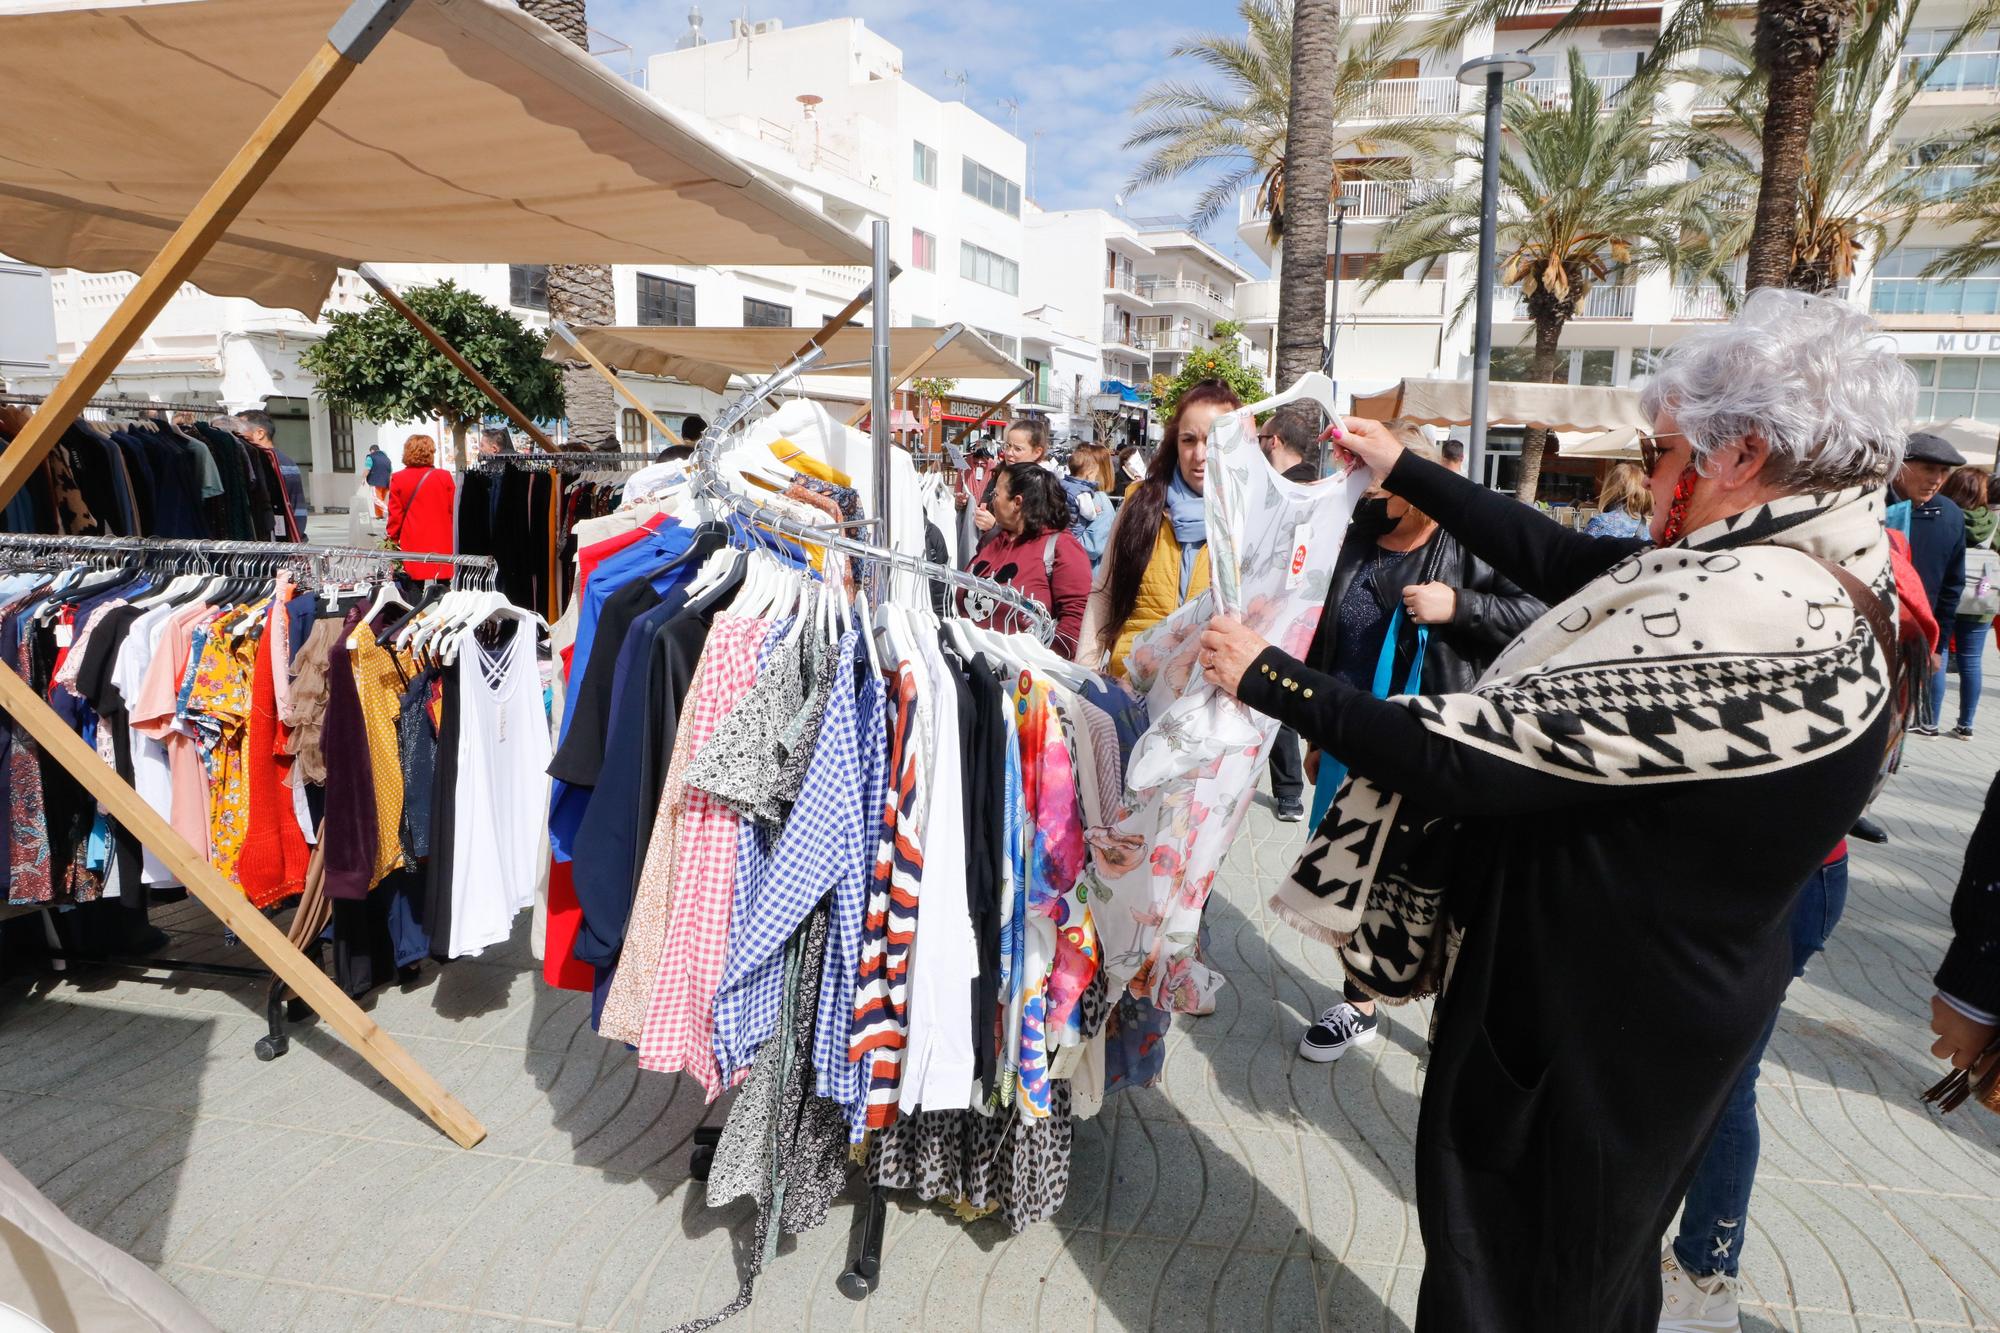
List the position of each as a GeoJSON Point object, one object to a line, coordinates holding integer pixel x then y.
{"type": "Point", "coordinates": [65, 635]}
{"type": "Point", "coordinates": [1296, 574]}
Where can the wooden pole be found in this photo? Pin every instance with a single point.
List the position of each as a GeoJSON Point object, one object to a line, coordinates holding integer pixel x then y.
{"type": "Point", "coordinates": [457, 358]}
{"type": "Point", "coordinates": [590, 359]}
{"type": "Point", "coordinates": [349, 43]}
{"type": "Point", "coordinates": [988, 411]}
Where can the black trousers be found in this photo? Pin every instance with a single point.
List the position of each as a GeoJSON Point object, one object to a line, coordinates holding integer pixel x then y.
{"type": "Point", "coordinates": [1288, 779]}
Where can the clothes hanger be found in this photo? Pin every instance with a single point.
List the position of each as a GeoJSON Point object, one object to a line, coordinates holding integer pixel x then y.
{"type": "Point", "coordinates": [388, 593]}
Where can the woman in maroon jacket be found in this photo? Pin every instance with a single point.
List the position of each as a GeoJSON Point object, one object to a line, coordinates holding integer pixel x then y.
{"type": "Point", "coordinates": [1030, 549]}
{"type": "Point", "coordinates": [420, 507]}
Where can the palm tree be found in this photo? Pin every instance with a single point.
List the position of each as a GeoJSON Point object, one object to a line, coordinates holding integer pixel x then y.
{"type": "Point", "coordinates": [1238, 128]}
{"type": "Point", "coordinates": [1577, 203]}
{"type": "Point", "coordinates": [1791, 43]}
{"type": "Point", "coordinates": [1859, 191]}
{"type": "Point", "coordinates": [1307, 167]}
{"type": "Point", "coordinates": [580, 294]}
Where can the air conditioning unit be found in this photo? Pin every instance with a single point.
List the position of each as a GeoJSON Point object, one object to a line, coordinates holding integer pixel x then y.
{"type": "Point", "coordinates": [744, 28]}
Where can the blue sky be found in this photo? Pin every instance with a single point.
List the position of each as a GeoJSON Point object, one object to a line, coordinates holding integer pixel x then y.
{"type": "Point", "coordinates": [1075, 68]}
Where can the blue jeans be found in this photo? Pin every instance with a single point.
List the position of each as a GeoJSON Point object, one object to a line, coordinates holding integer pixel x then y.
{"type": "Point", "coordinates": [1968, 646]}
{"type": "Point", "coordinates": [1715, 1216]}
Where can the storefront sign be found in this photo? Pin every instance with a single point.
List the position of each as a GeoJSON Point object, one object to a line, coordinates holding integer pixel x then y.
{"type": "Point", "coordinates": [1957, 343]}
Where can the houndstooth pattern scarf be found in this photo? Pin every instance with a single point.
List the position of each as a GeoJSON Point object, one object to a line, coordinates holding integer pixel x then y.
{"type": "Point", "coordinates": [1730, 653]}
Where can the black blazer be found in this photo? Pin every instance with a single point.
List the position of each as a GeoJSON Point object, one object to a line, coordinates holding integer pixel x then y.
{"type": "Point", "coordinates": [1491, 610]}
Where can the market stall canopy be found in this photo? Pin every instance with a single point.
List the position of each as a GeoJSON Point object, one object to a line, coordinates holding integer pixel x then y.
{"type": "Point", "coordinates": [1977, 440]}
{"type": "Point", "coordinates": [708, 357]}
{"type": "Point", "coordinates": [1621, 444]}
{"type": "Point", "coordinates": [1550, 406]}
{"type": "Point", "coordinates": [472, 134]}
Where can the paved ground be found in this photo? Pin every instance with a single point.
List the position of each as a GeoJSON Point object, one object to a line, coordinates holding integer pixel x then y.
{"type": "Point", "coordinates": [1251, 1190]}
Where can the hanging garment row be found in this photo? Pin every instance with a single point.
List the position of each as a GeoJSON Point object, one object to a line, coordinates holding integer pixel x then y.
{"type": "Point", "coordinates": [151, 478]}
{"type": "Point", "coordinates": [892, 877]}
{"type": "Point", "coordinates": [521, 510]}
{"type": "Point", "coordinates": [287, 727]}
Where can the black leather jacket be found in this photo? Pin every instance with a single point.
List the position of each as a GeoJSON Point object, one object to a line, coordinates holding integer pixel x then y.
{"type": "Point", "coordinates": [1491, 610]}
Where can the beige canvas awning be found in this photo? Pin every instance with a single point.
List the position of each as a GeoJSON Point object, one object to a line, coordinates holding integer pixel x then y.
{"type": "Point", "coordinates": [708, 357]}
{"type": "Point", "coordinates": [1621, 444]}
{"type": "Point", "coordinates": [1551, 406]}
{"type": "Point", "coordinates": [473, 134]}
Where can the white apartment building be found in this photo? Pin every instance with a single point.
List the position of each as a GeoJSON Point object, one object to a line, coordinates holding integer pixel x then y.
{"type": "Point", "coordinates": [1192, 288]}
{"type": "Point", "coordinates": [1086, 265]}
{"type": "Point", "coordinates": [1949, 332]}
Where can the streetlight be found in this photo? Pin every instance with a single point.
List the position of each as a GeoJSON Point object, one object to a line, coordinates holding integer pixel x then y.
{"type": "Point", "coordinates": [1341, 203]}
{"type": "Point", "coordinates": [1494, 72]}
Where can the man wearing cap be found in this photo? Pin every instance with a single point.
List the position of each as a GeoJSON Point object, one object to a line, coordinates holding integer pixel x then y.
{"type": "Point", "coordinates": [1936, 529]}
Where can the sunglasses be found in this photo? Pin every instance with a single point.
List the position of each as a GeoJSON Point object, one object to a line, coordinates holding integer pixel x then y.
{"type": "Point", "coordinates": [1652, 449]}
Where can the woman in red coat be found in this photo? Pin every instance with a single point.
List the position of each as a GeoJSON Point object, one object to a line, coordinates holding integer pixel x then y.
{"type": "Point", "coordinates": [420, 507]}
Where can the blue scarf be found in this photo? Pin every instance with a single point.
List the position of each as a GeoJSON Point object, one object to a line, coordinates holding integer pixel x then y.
{"type": "Point", "coordinates": [1190, 519]}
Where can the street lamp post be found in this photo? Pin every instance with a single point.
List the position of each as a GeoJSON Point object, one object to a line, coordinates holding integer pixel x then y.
{"type": "Point", "coordinates": [1494, 72]}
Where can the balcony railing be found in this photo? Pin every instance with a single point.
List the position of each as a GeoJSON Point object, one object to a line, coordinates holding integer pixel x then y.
{"type": "Point", "coordinates": [1598, 303]}
{"type": "Point", "coordinates": [1116, 335]}
{"type": "Point", "coordinates": [1186, 291]}
{"type": "Point", "coordinates": [1699, 303]}
{"type": "Point", "coordinates": [1121, 281]}
{"type": "Point", "coordinates": [1171, 340]}
{"type": "Point", "coordinates": [1393, 99]}
{"type": "Point", "coordinates": [1960, 72]}
{"type": "Point", "coordinates": [1385, 199]}
{"type": "Point", "coordinates": [1375, 9]}
{"type": "Point", "coordinates": [1554, 93]}
{"type": "Point", "coordinates": [1257, 302]}
{"type": "Point", "coordinates": [1922, 296]}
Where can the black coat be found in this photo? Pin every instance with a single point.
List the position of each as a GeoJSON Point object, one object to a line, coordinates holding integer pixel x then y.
{"type": "Point", "coordinates": [1971, 969]}
{"type": "Point", "coordinates": [1491, 611]}
{"type": "Point", "coordinates": [1624, 949]}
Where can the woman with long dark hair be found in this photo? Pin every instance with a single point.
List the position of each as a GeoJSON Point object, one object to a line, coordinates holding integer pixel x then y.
{"type": "Point", "coordinates": [1030, 550]}
{"type": "Point", "coordinates": [1158, 553]}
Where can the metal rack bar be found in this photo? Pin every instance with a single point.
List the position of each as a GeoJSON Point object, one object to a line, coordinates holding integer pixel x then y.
{"type": "Point", "coordinates": [121, 404]}
{"type": "Point", "coordinates": [208, 553]}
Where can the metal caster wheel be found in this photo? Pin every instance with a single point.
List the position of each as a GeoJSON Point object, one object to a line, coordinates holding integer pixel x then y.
{"type": "Point", "coordinates": [699, 1162]}
{"type": "Point", "coordinates": [855, 1285]}
{"type": "Point", "coordinates": [270, 1047]}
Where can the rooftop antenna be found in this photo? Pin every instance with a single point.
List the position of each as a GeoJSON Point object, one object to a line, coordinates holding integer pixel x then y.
{"type": "Point", "coordinates": [959, 78]}
{"type": "Point", "coordinates": [1013, 105]}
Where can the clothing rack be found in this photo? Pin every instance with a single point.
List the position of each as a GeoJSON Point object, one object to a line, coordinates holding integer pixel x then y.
{"type": "Point", "coordinates": [328, 562]}
{"type": "Point", "coordinates": [599, 461]}
{"type": "Point", "coordinates": [123, 404]}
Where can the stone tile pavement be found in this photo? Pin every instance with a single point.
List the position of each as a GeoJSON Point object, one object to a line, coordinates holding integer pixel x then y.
{"type": "Point", "coordinates": [1250, 1190]}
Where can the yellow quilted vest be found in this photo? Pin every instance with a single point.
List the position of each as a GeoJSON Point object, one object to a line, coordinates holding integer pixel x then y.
{"type": "Point", "coordinates": [1159, 592]}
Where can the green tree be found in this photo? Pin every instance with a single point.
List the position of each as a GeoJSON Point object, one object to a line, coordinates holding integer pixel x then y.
{"type": "Point", "coordinates": [1577, 204]}
{"type": "Point", "coordinates": [1236, 128]}
{"type": "Point", "coordinates": [1206, 363]}
{"type": "Point", "coordinates": [581, 295]}
{"type": "Point", "coordinates": [374, 364]}
{"type": "Point", "coordinates": [1792, 41]}
{"type": "Point", "coordinates": [1857, 194]}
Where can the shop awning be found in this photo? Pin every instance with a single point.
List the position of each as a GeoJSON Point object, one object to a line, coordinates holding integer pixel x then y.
{"type": "Point", "coordinates": [1551, 406]}
{"type": "Point", "coordinates": [1621, 444]}
{"type": "Point", "coordinates": [708, 357]}
{"type": "Point", "coordinates": [473, 134]}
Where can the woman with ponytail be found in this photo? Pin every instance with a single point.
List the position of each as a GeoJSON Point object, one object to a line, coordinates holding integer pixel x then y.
{"type": "Point", "coordinates": [1157, 556]}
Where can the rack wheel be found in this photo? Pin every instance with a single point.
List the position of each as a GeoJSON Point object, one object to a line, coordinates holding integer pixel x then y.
{"type": "Point", "coordinates": [854, 1285]}
{"type": "Point", "coordinates": [272, 1045]}
{"type": "Point", "coordinates": [699, 1162]}
{"type": "Point", "coordinates": [297, 1010]}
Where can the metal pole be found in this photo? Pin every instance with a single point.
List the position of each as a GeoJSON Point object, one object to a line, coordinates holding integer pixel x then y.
{"type": "Point", "coordinates": [879, 380]}
{"type": "Point", "coordinates": [1482, 326]}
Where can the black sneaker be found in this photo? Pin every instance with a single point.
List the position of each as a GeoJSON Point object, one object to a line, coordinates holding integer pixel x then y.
{"type": "Point", "coordinates": [1339, 1028]}
{"type": "Point", "coordinates": [1291, 812]}
{"type": "Point", "coordinates": [1962, 733]}
{"type": "Point", "coordinates": [1922, 730]}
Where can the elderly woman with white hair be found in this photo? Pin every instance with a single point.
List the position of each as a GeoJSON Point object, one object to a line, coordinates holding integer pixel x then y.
{"type": "Point", "coordinates": [1600, 842]}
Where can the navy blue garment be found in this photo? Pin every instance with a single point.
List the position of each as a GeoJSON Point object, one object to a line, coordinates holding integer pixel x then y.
{"type": "Point", "coordinates": [1937, 549]}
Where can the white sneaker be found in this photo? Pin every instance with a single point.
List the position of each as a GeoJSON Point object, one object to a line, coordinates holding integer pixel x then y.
{"type": "Point", "coordinates": [1339, 1028]}
{"type": "Point", "coordinates": [1692, 1304]}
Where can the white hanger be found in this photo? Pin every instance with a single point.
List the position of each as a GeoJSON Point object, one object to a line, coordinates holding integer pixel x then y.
{"type": "Point", "coordinates": [385, 596]}
{"type": "Point", "coordinates": [867, 638]}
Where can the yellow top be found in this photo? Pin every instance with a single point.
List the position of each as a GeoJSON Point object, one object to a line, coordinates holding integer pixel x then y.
{"type": "Point", "coordinates": [1159, 592]}
{"type": "Point", "coordinates": [380, 688]}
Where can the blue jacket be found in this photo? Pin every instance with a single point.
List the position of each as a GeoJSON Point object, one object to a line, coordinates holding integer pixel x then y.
{"type": "Point", "coordinates": [1937, 549]}
{"type": "Point", "coordinates": [1094, 531]}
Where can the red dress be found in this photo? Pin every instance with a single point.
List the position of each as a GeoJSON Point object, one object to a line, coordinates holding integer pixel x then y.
{"type": "Point", "coordinates": [420, 514]}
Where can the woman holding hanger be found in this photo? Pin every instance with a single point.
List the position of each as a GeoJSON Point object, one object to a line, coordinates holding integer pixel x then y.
{"type": "Point", "coordinates": [421, 502]}
{"type": "Point", "coordinates": [1157, 557]}
{"type": "Point", "coordinates": [1031, 550]}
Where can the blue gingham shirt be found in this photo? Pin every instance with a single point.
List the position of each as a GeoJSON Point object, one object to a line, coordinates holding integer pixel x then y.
{"type": "Point", "coordinates": [823, 848]}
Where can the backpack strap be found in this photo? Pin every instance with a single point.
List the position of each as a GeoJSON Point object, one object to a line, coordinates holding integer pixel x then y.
{"type": "Point", "coordinates": [1049, 560]}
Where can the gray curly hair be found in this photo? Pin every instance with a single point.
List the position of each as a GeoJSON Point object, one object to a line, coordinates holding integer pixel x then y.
{"type": "Point", "coordinates": [1808, 374]}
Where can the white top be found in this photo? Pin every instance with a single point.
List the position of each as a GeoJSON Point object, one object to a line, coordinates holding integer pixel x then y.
{"type": "Point", "coordinates": [152, 778]}
{"type": "Point", "coordinates": [502, 796]}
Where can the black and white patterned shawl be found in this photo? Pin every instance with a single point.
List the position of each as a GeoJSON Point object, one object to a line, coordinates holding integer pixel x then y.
{"type": "Point", "coordinates": [1728, 654]}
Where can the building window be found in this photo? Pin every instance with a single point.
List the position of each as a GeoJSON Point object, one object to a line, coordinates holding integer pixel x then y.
{"type": "Point", "coordinates": [1973, 66]}
{"type": "Point", "coordinates": [923, 250]}
{"type": "Point", "coordinates": [631, 427]}
{"type": "Point", "coordinates": [1010, 347]}
{"type": "Point", "coordinates": [528, 286]}
{"type": "Point", "coordinates": [1898, 290]}
{"type": "Point", "coordinates": [664, 301]}
{"type": "Point", "coordinates": [340, 432]}
{"type": "Point", "coordinates": [988, 269]}
{"type": "Point", "coordinates": [765, 314]}
{"type": "Point", "coordinates": [1957, 386]}
{"type": "Point", "coordinates": [989, 187]}
{"type": "Point", "coordinates": [923, 164]}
